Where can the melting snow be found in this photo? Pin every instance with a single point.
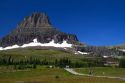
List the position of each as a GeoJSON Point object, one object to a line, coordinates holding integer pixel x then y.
{"type": "Point", "coordinates": [105, 56]}
{"type": "Point", "coordinates": [1, 48]}
{"type": "Point", "coordinates": [79, 52]}
{"type": "Point", "coordinates": [76, 53]}
{"type": "Point", "coordinates": [36, 43]}
{"type": "Point", "coordinates": [122, 50]}
{"type": "Point", "coordinates": [82, 52]}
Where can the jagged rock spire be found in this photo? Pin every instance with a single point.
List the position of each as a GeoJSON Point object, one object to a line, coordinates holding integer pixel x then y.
{"type": "Point", "coordinates": [36, 20]}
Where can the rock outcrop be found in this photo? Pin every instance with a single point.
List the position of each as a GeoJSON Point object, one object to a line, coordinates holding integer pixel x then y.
{"type": "Point", "coordinates": [36, 20]}
{"type": "Point", "coordinates": [37, 26]}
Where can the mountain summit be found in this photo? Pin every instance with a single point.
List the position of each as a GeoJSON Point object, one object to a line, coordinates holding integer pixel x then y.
{"type": "Point", "coordinates": [36, 26]}
{"type": "Point", "coordinates": [36, 20]}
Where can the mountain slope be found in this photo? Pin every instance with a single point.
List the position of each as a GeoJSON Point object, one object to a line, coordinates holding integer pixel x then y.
{"type": "Point", "coordinates": [36, 26]}
{"type": "Point", "coordinates": [37, 30]}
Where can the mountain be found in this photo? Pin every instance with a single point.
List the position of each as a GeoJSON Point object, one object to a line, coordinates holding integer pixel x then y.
{"type": "Point", "coordinates": [37, 30]}
{"type": "Point", "coordinates": [102, 51]}
{"type": "Point", "coordinates": [36, 26]}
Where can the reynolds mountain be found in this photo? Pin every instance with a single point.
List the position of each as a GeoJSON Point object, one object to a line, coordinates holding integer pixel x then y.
{"type": "Point", "coordinates": [37, 26]}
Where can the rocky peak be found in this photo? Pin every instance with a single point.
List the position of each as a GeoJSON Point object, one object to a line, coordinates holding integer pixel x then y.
{"type": "Point", "coordinates": [36, 26]}
{"type": "Point", "coordinates": [36, 20]}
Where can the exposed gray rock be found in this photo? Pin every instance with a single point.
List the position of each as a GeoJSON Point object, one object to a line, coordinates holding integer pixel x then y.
{"type": "Point", "coordinates": [36, 26]}
{"type": "Point", "coordinates": [36, 20]}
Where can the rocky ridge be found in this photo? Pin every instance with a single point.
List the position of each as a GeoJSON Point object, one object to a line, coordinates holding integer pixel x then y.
{"type": "Point", "coordinates": [37, 26]}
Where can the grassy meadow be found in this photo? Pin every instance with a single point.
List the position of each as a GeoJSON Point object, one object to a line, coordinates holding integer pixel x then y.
{"type": "Point", "coordinates": [103, 71]}
{"type": "Point", "coordinates": [48, 75]}
{"type": "Point", "coordinates": [44, 74]}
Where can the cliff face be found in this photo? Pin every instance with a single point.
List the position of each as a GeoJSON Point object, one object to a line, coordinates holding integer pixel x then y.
{"type": "Point", "coordinates": [36, 26]}
{"type": "Point", "coordinates": [36, 20]}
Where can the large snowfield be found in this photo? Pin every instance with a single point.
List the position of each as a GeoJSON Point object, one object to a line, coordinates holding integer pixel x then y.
{"type": "Point", "coordinates": [36, 43]}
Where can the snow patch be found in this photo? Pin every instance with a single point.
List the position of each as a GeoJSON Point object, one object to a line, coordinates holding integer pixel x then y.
{"type": "Point", "coordinates": [36, 43]}
{"type": "Point", "coordinates": [1, 48]}
{"type": "Point", "coordinates": [79, 52]}
{"type": "Point", "coordinates": [123, 50]}
{"type": "Point", "coordinates": [76, 53]}
{"type": "Point", "coordinates": [105, 56]}
{"type": "Point", "coordinates": [11, 47]}
{"type": "Point", "coordinates": [82, 52]}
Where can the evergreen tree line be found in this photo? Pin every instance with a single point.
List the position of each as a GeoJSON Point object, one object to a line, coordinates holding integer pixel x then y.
{"type": "Point", "coordinates": [32, 62]}
{"type": "Point", "coordinates": [122, 63]}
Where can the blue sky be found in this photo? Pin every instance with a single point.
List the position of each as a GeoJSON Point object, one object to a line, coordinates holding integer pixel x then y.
{"type": "Point", "coordinates": [95, 22]}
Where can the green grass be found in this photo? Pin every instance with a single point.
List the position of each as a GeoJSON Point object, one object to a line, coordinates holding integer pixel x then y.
{"type": "Point", "coordinates": [48, 75]}
{"type": "Point", "coordinates": [49, 54]}
{"type": "Point", "coordinates": [103, 71]}
{"type": "Point", "coordinates": [31, 52]}
{"type": "Point", "coordinates": [15, 74]}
